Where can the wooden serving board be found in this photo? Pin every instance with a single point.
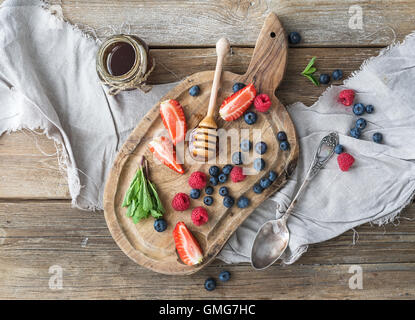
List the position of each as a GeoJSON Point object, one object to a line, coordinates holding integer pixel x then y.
{"type": "Point", "coordinates": [156, 251]}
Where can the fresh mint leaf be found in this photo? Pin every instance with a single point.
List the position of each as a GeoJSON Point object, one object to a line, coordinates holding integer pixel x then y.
{"type": "Point", "coordinates": [310, 64]}
{"type": "Point", "coordinates": [312, 79]}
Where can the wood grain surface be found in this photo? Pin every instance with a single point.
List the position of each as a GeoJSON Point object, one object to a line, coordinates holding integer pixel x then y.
{"type": "Point", "coordinates": [38, 231]}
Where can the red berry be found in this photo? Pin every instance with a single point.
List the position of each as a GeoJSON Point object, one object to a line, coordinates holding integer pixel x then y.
{"type": "Point", "coordinates": [345, 161]}
{"type": "Point", "coordinates": [180, 202]}
{"type": "Point", "coordinates": [199, 216]}
{"type": "Point", "coordinates": [237, 174]}
{"type": "Point", "coordinates": [346, 97]}
{"type": "Point", "coordinates": [197, 180]}
{"type": "Point", "coordinates": [262, 102]}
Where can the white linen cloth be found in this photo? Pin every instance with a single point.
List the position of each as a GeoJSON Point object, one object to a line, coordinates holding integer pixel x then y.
{"type": "Point", "coordinates": [48, 81]}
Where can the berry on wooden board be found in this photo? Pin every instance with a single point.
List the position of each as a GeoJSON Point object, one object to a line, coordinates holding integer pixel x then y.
{"type": "Point", "coordinates": [187, 246]}
{"type": "Point", "coordinates": [199, 216]}
{"type": "Point", "coordinates": [160, 225]}
{"type": "Point", "coordinates": [261, 147]}
{"type": "Point", "coordinates": [250, 117]}
{"type": "Point", "coordinates": [173, 118]}
{"type": "Point", "coordinates": [294, 37]}
{"type": "Point", "coordinates": [262, 102]}
{"type": "Point", "coordinates": [194, 91]}
{"type": "Point", "coordinates": [195, 193]}
{"type": "Point", "coordinates": [208, 200]}
{"type": "Point", "coordinates": [238, 86]}
{"type": "Point", "coordinates": [197, 180]}
{"type": "Point", "coordinates": [227, 169]}
{"type": "Point", "coordinates": [180, 202]}
{"type": "Point", "coordinates": [162, 149]}
{"type": "Point", "coordinates": [259, 164]}
{"type": "Point", "coordinates": [234, 106]}
{"type": "Point", "coordinates": [237, 174]}
{"type": "Point", "coordinates": [228, 201]}
{"type": "Point", "coordinates": [209, 190]}
{"type": "Point", "coordinates": [243, 202]}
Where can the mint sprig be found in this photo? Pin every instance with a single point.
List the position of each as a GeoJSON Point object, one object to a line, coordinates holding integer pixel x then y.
{"type": "Point", "coordinates": [309, 70]}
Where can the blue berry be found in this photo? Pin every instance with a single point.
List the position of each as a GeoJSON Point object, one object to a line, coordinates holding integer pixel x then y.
{"type": "Point", "coordinates": [355, 133]}
{"type": "Point", "coordinates": [257, 188]}
{"type": "Point", "coordinates": [195, 193]}
{"type": "Point", "coordinates": [377, 137]}
{"type": "Point", "coordinates": [337, 74]}
{"type": "Point", "coordinates": [259, 164]}
{"type": "Point", "coordinates": [261, 147]}
{"type": "Point", "coordinates": [358, 109]}
{"type": "Point", "coordinates": [237, 158]}
{"type": "Point", "coordinates": [272, 176]}
{"type": "Point", "coordinates": [214, 171]}
{"type": "Point", "coordinates": [246, 145]}
{"type": "Point", "coordinates": [208, 200]}
{"type": "Point", "coordinates": [222, 178]}
{"type": "Point", "coordinates": [160, 225]}
{"type": "Point", "coordinates": [294, 38]}
{"type": "Point", "coordinates": [281, 136]}
{"type": "Point", "coordinates": [224, 276]}
{"type": "Point", "coordinates": [339, 149]}
{"type": "Point", "coordinates": [194, 91]}
{"type": "Point", "coordinates": [227, 169]}
{"type": "Point", "coordinates": [284, 145]}
{"type": "Point", "coordinates": [209, 190]}
{"type": "Point", "coordinates": [213, 181]}
{"type": "Point", "coordinates": [228, 201]}
{"type": "Point", "coordinates": [250, 117]}
{"type": "Point", "coordinates": [223, 191]}
{"type": "Point", "coordinates": [370, 108]}
{"type": "Point", "coordinates": [324, 78]}
{"type": "Point", "coordinates": [238, 86]}
{"type": "Point", "coordinates": [243, 202]}
{"type": "Point", "coordinates": [265, 183]}
{"type": "Point", "coordinates": [210, 284]}
{"type": "Point", "coordinates": [361, 123]}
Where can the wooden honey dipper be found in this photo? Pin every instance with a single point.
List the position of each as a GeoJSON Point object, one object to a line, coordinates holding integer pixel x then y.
{"type": "Point", "coordinates": [203, 138]}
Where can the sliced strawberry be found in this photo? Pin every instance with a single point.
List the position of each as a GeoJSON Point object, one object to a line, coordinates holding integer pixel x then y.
{"type": "Point", "coordinates": [163, 149]}
{"type": "Point", "coordinates": [173, 119]}
{"type": "Point", "coordinates": [186, 245]}
{"type": "Point", "coordinates": [235, 105]}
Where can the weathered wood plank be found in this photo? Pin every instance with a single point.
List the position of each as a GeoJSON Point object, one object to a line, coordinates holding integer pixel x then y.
{"type": "Point", "coordinates": [186, 23]}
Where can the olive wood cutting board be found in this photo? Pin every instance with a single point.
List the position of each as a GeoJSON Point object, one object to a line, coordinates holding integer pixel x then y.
{"type": "Point", "coordinates": [157, 251]}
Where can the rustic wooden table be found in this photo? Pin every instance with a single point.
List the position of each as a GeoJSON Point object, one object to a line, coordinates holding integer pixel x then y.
{"type": "Point", "coordinates": [39, 229]}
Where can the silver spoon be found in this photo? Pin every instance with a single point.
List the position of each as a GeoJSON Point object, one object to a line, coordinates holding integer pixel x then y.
{"type": "Point", "coordinates": [273, 236]}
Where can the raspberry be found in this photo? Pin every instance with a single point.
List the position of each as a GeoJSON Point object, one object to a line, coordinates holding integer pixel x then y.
{"type": "Point", "coordinates": [262, 102]}
{"type": "Point", "coordinates": [237, 174]}
{"type": "Point", "coordinates": [180, 202]}
{"type": "Point", "coordinates": [345, 161]}
{"type": "Point", "coordinates": [197, 180]}
{"type": "Point", "coordinates": [199, 216]}
{"type": "Point", "coordinates": [346, 97]}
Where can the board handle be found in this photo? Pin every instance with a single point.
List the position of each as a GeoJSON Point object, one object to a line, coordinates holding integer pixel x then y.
{"type": "Point", "coordinates": [269, 60]}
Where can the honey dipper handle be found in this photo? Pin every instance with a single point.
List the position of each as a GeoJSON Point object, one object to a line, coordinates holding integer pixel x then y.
{"type": "Point", "coordinates": [222, 49]}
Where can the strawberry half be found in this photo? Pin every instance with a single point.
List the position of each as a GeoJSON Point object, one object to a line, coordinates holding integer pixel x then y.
{"type": "Point", "coordinates": [163, 149]}
{"type": "Point", "coordinates": [186, 245]}
{"type": "Point", "coordinates": [173, 119]}
{"type": "Point", "coordinates": [235, 105]}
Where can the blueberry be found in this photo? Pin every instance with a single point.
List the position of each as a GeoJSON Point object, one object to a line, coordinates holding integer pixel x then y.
{"type": "Point", "coordinates": [377, 137]}
{"type": "Point", "coordinates": [238, 86]}
{"type": "Point", "coordinates": [250, 117]}
{"type": "Point", "coordinates": [337, 74]}
{"type": "Point", "coordinates": [339, 149]}
{"type": "Point", "coordinates": [246, 145]}
{"type": "Point", "coordinates": [361, 123]}
{"type": "Point", "coordinates": [259, 164]}
{"type": "Point", "coordinates": [228, 201]}
{"type": "Point", "coordinates": [214, 171]}
{"type": "Point", "coordinates": [324, 78]}
{"type": "Point", "coordinates": [194, 91]}
{"type": "Point", "coordinates": [237, 158]}
{"type": "Point", "coordinates": [265, 183]}
{"type": "Point", "coordinates": [272, 176]}
{"type": "Point", "coordinates": [261, 147]}
{"type": "Point", "coordinates": [210, 284]}
{"type": "Point", "coordinates": [224, 276]}
{"type": "Point", "coordinates": [243, 202]}
{"type": "Point", "coordinates": [284, 145]}
{"type": "Point", "coordinates": [213, 181]}
{"type": "Point", "coordinates": [355, 133]}
{"type": "Point", "coordinates": [227, 169]}
{"type": "Point", "coordinates": [208, 200]}
{"type": "Point", "coordinates": [358, 109]}
{"type": "Point", "coordinates": [160, 225]}
{"type": "Point", "coordinates": [294, 38]}
{"type": "Point", "coordinates": [209, 190]}
{"type": "Point", "coordinates": [370, 108]}
{"type": "Point", "coordinates": [257, 188]}
{"type": "Point", "coordinates": [195, 193]}
{"type": "Point", "coordinates": [281, 136]}
{"type": "Point", "coordinates": [223, 191]}
{"type": "Point", "coordinates": [222, 178]}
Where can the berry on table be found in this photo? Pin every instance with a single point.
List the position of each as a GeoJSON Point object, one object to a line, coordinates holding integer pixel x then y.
{"type": "Point", "coordinates": [246, 145]}
{"type": "Point", "coordinates": [265, 183]}
{"type": "Point", "coordinates": [243, 202]}
{"type": "Point", "coordinates": [210, 284]}
{"type": "Point", "coordinates": [361, 123]}
{"type": "Point", "coordinates": [358, 109]}
{"type": "Point", "coordinates": [237, 158]}
{"type": "Point", "coordinates": [345, 161]}
{"type": "Point", "coordinates": [195, 193]}
{"type": "Point", "coordinates": [213, 181]}
{"type": "Point", "coordinates": [180, 202]}
{"type": "Point", "coordinates": [261, 147]}
{"type": "Point", "coordinates": [228, 201]}
{"type": "Point", "coordinates": [355, 133]}
{"type": "Point", "coordinates": [197, 180]}
{"type": "Point", "coordinates": [194, 91]}
{"type": "Point", "coordinates": [160, 225]}
{"type": "Point", "coordinates": [223, 191]}
{"type": "Point", "coordinates": [377, 137]}
{"type": "Point", "coordinates": [281, 136]}
{"type": "Point", "coordinates": [224, 276]}
{"type": "Point", "coordinates": [250, 117]}
{"type": "Point", "coordinates": [262, 102]}
{"type": "Point", "coordinates": [227, 169]}
{"type": "Point", "coordinates": [237, 174]}
{"type": "Point", "coordinates": [370, 108]}
{"type": "Point", "coordinates": [346, 97]}
{"type": "Point", "coordinates": [199, 216]}
{"type": "Point", "coordinates": [324, 78]}
{"type": "Point", "coordinates": [237, 86]}
{"type": "Point", "coordinates": [338, 149]}
{"type": "Point", "coordinates": [337, 74]}
{"type": "Point", "coordinates": [208, 200]}
{"type": "Point", "coordinates": [257, 188]}
{"type": "Point", "coordinates": [259, 164]}
{"type": "Point", "coordinates": [294, 37]}
{"type": "Point", "coordinates": [214, 171]}
{"type": "Point", "coordinates": [209, 190]}
{"type": "Point", "coordinates": [284, 145]}
{"type": "Point", "coordinates": [272, 176]}
{"type": "Point", "coordinates": [222, 178]}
